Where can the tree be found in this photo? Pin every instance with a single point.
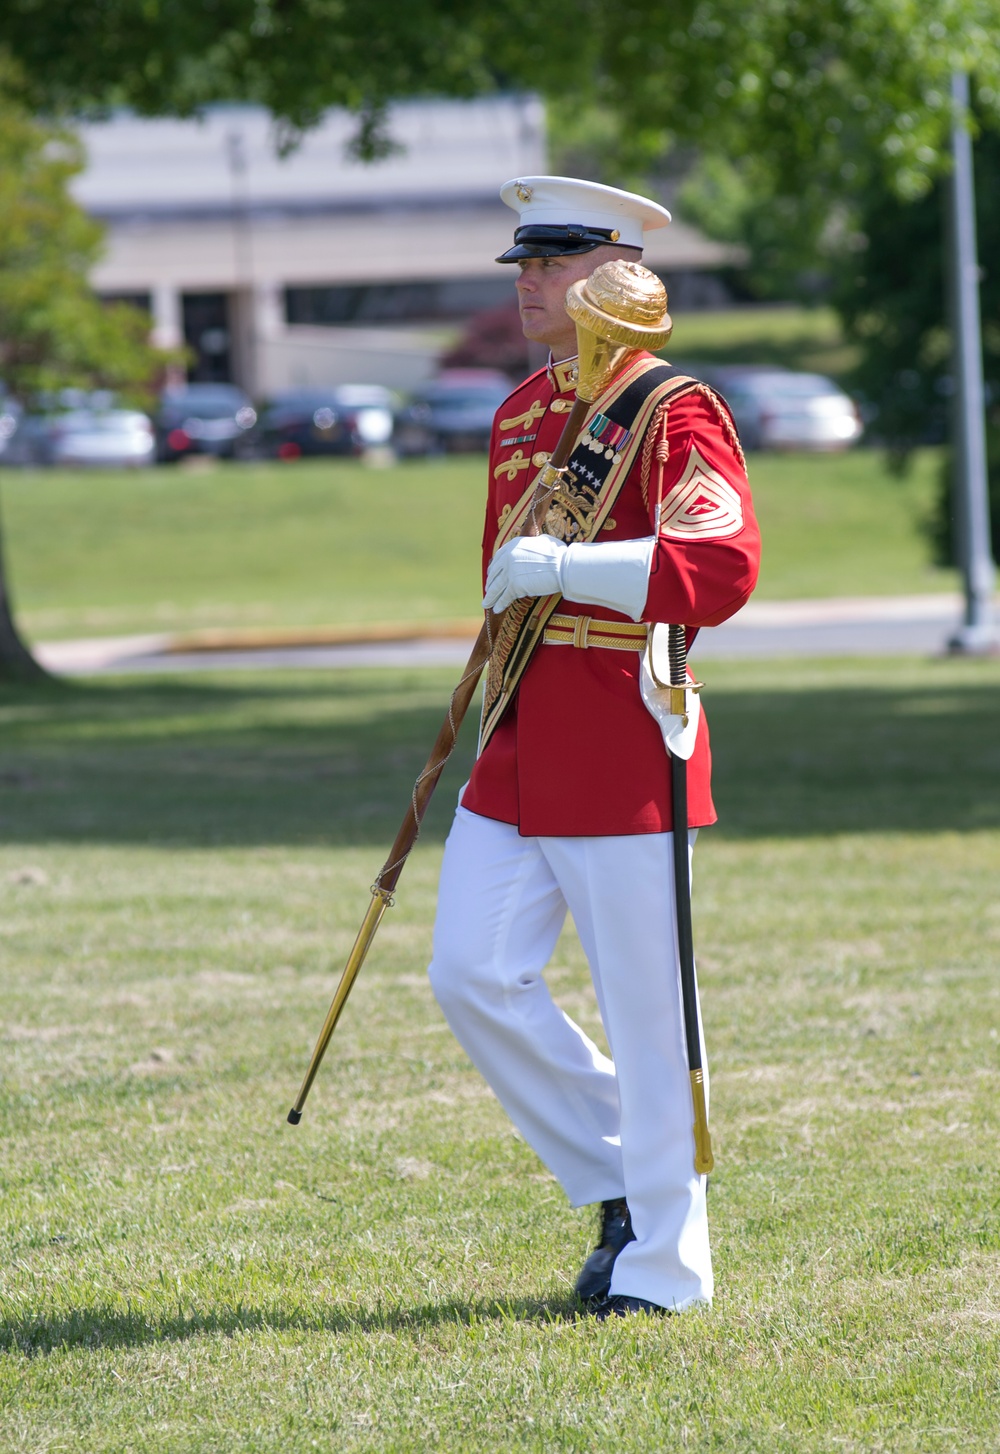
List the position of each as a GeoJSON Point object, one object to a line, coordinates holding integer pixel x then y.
{"type": "Point", "coordinates": [893, 302]}
{"type": "Point", "coordinates": [878, 258]}
{"type": "Point", "coordinates": [809, 87]}
{"type": "Point", "coordinates": [53, 330]}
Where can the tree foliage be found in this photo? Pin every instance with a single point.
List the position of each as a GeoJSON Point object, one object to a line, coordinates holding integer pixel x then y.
{"type": "Point", "coordinates": [53, 330]}
{"type": "Point", "coordinates": [892, 296]}
{"type": "Point", "coordinates": [812, 86]}
{"type": "Point", "coordinates": [879, 259]}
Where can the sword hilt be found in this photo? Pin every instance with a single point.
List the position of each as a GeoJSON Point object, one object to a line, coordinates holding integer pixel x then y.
{"type": "Point", "coordinates": [679, 685]}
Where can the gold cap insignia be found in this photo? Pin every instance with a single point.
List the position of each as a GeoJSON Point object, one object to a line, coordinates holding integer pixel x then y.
{"type": "Point", "coordinates": [523, 192]}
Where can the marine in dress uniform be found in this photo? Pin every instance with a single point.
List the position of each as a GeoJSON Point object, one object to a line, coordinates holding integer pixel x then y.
{"type": "Point", "coordinates": [568, 807]}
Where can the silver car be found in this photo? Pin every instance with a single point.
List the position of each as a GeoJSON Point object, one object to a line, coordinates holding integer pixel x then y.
{"type": "Point", "coordinates": [108, 438]}
{"type": "Point", "coordinates": [779, 409]}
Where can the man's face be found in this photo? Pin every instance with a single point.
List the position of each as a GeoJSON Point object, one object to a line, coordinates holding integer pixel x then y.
{"type": "Point", "coordinates": [541, 295]}
{"type": "Point", "coordinates": [541, 298]}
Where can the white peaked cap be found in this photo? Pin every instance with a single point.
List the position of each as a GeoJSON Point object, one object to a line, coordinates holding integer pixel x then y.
{"type": "Point", "coordinates": [565, 201]}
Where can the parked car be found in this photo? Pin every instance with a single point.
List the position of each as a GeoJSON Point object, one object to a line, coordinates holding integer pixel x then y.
{"type": "Point", "coordinates": [452, 413]}
{"type": "Point", "coordinates": [370, 407]}
{"type": "Point", "coordinates": [11, 414]}
{"type": "Point", "coordinates": [344, 420]}
{"type": "Point", "coordinates": [27, 436]}
{"type": "Point", "coordinates": [107, 437]}
{"type": "Point", "coordinates": [202, 419]}
{"type": "Point", "coordinates": [781, 409]}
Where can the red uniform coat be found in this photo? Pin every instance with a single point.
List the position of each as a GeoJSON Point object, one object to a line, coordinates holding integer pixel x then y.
{"type": "Point", "coordinates": [578, 753]}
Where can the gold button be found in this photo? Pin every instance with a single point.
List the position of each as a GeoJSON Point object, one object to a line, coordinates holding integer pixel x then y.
{"type": "Point", "coordinates": [540, 457]}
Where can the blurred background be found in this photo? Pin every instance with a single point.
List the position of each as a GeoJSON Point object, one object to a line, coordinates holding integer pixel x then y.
{"type": "Point", "coordinates": [226, 258]}
{"type": "Point", "coordinates": [275, 285]}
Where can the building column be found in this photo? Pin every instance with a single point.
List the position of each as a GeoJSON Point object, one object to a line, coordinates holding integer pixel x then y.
{"type": "Point", "coordinates": [258, 316]}
{"type": "Point", "coordinates": [168, 328]}
{"type": "Point", "coordinates": [168, 325]}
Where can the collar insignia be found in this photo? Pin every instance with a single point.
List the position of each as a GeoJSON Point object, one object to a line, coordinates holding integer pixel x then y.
{"type": "Point", "coordinates": [564, 375]}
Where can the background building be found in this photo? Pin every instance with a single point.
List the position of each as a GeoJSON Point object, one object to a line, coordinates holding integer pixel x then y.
{"type": "Point", "coordinates": [315, 268]}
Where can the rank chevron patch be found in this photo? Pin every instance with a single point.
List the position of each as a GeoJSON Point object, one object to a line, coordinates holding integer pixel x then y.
{"type": "Point", "coordinates": [702, 504]}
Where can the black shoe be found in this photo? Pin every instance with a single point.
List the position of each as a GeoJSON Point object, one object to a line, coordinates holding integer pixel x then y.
{"type": "Point", "coordinates": [623, 1306]}
{"type": "Point", "coordinates": [616, 1232]}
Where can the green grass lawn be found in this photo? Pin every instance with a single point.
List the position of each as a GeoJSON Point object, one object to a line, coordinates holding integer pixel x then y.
{"type": "Point", "coordinates": [336, 544]}
{"type": "Point", "coordinates": [185, 863]}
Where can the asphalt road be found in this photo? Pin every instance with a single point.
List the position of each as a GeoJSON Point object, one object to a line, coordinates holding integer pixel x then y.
{"type": "Point", "coordinates": [850, 626]}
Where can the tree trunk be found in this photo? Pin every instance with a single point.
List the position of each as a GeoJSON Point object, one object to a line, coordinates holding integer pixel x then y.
{"type": "Point", "coordinates": [16, 662]}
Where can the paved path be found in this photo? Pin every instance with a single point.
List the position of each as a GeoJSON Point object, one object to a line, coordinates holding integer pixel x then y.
{"type": "Point", "coordinates": [848, 626]}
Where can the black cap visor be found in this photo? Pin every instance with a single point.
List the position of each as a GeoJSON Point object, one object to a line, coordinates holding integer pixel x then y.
{"type": "Point", "coordinates": [536, 240]}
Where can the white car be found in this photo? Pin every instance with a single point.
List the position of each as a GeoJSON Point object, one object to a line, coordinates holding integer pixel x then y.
{"type": "Point", "coordinates": [371, 407]}
{"type": "Point", "coordinates": [108, 438]}
{"type": "Point", "coordinates": [779, 409]}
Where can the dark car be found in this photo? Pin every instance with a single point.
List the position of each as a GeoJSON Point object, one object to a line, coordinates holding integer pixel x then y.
{"type": "Point", "coordinates": [451, 414]}
{"type": "Point", "coordinates": [346, 420]}
{"type": "Point", "coordinates": [202, 419]}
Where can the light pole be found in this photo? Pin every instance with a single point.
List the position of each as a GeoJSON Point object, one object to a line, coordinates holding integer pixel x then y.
{"type": "Point", "coordinates": [977, 634]}
{"type": "Point", "coordinates": [245, 300]}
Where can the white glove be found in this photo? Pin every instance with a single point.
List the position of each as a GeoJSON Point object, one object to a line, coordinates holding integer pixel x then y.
{"type": "Point", "coordinates": [613, 574]}
{"type": "Point", "coordinates": [528, 566]}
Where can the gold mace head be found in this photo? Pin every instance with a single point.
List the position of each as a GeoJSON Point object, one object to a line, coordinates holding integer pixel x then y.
{"type": "Point", "coordinates": [619, 309]}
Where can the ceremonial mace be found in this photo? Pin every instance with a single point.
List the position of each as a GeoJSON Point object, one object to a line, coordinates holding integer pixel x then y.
{"type": "Point", "coordinates": [603, 350]}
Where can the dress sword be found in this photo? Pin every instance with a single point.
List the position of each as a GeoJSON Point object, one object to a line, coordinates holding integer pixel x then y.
{"type": "Point", "coordinates": [679, 687]}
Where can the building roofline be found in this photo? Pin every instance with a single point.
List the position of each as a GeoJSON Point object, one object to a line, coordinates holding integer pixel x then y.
{"type": "Point", "coordinates": [279, 207]}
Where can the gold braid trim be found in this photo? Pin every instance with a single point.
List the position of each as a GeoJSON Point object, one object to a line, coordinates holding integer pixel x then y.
{"type": "Point", "coordinates": [726, 420]}
{"type": "Point", "coordinates": [510, 624]}
{"type": "Point", "coordinates": [660, 447]}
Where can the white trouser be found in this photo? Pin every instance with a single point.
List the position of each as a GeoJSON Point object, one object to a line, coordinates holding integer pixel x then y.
{"type": "Point", "coordinates": [604, 1129]}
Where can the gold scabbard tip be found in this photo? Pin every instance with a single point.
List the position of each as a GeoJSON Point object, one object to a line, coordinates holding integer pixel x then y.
{"type": "Point", "coordinates": [704, 1161]}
